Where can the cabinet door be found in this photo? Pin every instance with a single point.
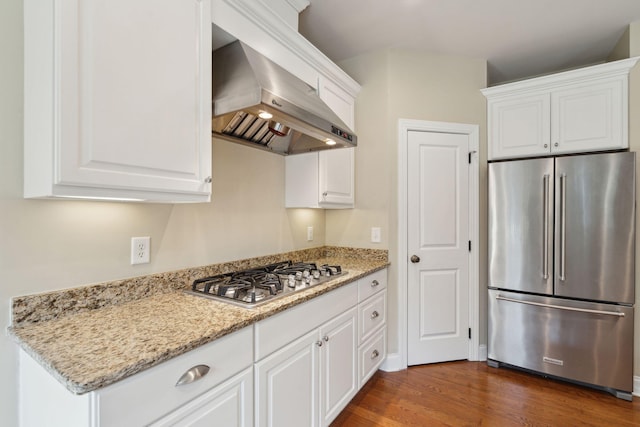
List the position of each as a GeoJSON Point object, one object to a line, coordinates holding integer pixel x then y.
{"type": "Point", "coordinates": [590, 117]}
{"type": "Point", "coordinates": [338, 369]}
{"type": "Point", "coordinates": [336, 180]}
{"type": "Point", "coordinates": [286, 385]}
{"type": "Point", "coordinates": [301, 181]}
{"type": "Point", "coordinates": [338, 100]}
{"type": "Point", "coordinates": [129, 102]}
{"type": "Point", "coordinates": [229, 404]}
{"type": "Point", "coordinates": [519, 126]}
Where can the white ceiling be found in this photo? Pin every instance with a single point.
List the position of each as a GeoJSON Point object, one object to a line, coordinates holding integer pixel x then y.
{"type": "Point", "coordinates": [518, 38]}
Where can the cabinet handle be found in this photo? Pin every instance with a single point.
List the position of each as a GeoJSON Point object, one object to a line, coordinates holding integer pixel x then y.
{"type": "Point", "coordinates": [546, 145]}
{"type": "Point", "coordinates": [208, 180]}
{"type": "Point", "coordinates": [193, 374]}
{"type": "Point", "coordinates": [324, 194]}
{"type": "Point", "coordinates": [326, 338]}
{"type": "Point", "coordinates": [556, 144]}
{"type": "Point", "coordinates": [375, 314]}
{"type": "Point", "coordinates": [319, 343]}
{"type": "Point", "coordinates": [375, 354]}
{"type": "Point", "coordinates": [374, 283]}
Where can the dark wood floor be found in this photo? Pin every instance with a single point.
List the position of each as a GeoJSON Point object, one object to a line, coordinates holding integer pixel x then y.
{"type": "Point", "coordinates": [473, 394]}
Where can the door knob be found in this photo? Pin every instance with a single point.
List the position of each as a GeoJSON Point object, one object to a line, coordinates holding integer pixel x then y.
{"type": "Point", "coordinates": [415, 258]}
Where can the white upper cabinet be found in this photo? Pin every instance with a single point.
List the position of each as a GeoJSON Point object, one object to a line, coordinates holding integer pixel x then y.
{"type": "Point", "coordinates": [590, 117]}
{"type": "Point", "coordinates": [342, 103]}
{"type": "Point", "coordinates": [320, 179]}
{"type": "Point", "coordinates": [520, 126]}
{"type": "Point", "coordinates": [570, 112]}
{"type": "Point", "coordinates": [118, 99]}
{"type": "Point", "coordinates": [336, 177]}
{"type": "Point", "coordinates": [323, 179]}
{"type": "Point", "coordinates": [267, 27]}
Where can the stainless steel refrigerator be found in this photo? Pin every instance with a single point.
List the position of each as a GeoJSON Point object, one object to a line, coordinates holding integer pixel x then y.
{"type": "Point", "coordinates": [562, 267]}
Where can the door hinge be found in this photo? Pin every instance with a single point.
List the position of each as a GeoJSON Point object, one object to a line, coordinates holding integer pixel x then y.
{"type": "Point", "coordinates": [469, 333]}
{"type": "Point", "coordinates": [469, 245]}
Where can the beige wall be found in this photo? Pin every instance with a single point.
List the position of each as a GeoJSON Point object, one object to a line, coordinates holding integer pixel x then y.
{"type": "Point", "coordinates": [46, 245]}
{"type": "Point", "coordinates": [397, 85]}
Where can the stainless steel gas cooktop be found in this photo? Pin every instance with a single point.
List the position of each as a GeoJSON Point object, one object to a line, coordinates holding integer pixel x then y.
{"type": "Point", "coordinates": [250, 288]}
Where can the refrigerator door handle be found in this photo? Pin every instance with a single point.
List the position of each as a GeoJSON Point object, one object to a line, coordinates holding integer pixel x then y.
{"type": "Point", "coordinates": [563, 227]}
{"type": "Point", "coordinates": [561, 307]}
{"type": "Point", "coordinates": [545, 227]}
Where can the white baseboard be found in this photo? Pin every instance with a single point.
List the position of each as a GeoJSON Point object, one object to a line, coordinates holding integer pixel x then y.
{"type": "Point", "coordinates": [392, 363]}
{"type": "Point", "coordinates": [482, 353]}
{"type": "Point", "coordinates": [636, 386]}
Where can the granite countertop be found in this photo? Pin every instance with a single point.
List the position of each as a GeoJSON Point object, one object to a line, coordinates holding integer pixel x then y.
{"type": "Point", "coordinates": [91, 349]}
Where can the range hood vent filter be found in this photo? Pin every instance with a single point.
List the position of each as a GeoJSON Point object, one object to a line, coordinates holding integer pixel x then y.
{"type": "Point", "coordinates": [249, 127]}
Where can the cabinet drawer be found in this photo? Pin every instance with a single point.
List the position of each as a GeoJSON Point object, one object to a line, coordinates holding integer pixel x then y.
{"type": "Point", "coordinates": [371, 355]}
{"type": "Point", "coordinates": [371, 284]}
{"type": "Point", "coordinates": [372, 315]}
{"type": "Point", "coordinates": [150, 394]}
{"type": "Point", "coordinates": [228, 404]}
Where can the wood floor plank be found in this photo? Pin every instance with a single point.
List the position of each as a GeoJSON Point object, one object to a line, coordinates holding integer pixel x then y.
{"type": "Point", "coordinates": [474, 394]}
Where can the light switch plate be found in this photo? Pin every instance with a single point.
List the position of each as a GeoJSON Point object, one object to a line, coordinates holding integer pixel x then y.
{"type": "Point", "coordinates": [375, 235]}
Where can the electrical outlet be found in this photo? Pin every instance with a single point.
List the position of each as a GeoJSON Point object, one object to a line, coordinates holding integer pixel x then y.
{"type": "Point", "coordinates": [309, 234]}
{"type": "Point", "coordinates": [375, 235]}
{"type": "Point", "coordinates": [140, 250]}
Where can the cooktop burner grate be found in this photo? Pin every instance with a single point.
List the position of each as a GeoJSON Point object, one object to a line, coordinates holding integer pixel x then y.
{"type": "Point", "coordinates": [249, 288]}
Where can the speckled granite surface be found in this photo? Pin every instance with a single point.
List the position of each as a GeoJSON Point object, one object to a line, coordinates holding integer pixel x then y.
{"type": "Point", "coordinates": [88, 345]}
{"type": "Point", "coordinates": [52, 305]}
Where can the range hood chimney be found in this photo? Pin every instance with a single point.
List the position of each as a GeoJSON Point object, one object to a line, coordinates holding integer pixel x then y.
{"type": "Point", "coordinates": [258, 103]}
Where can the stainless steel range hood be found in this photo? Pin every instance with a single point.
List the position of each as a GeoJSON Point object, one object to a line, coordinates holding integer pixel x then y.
{"type": "Point", "coordinates": [248, 88]}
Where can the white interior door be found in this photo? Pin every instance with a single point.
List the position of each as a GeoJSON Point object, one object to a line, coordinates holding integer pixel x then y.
{"type": "Point", "coordinates": [437, 247]}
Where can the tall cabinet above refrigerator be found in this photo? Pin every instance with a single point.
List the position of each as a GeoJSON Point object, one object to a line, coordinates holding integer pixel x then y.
{"type": "Point", "coordinates": [562, 267]}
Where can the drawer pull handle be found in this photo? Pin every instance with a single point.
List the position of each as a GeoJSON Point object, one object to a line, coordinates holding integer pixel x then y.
{"type": "Point", "coordinates": [375, 314]}
{"type": "Point", "coordinates": [326, 338]}
{"type": "Point", "coordinates": [319, 343]}
{"type": "Point", "coordinates": [374, 283]}
{"type": "Point", "coordinates": [193, 374]}
{"type": "Point", "coordinates": [374, 354]}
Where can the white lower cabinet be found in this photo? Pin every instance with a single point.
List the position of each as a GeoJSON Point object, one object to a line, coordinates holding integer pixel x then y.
{"type": "Point", "coordinates": [150, 395]}
{"type": "Point", "coordinates": [287, 385]}
{"type": "Point", "coordinates": [297, 368]}
{"type": "Point", "coordinates": [308, 382]}
{"type": "Point", "coordinates": [338, 364]}
{"type": "Point", "coordinates": [306, 361]}
{"type": "Point", "coordinates": [372, 315]}
{"type": "Point", "coordinates": [229, 404]}
{"type": "Point", "coordinates": [371, 354]}
{"type": "Point", "coordinates": [312, 359]}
